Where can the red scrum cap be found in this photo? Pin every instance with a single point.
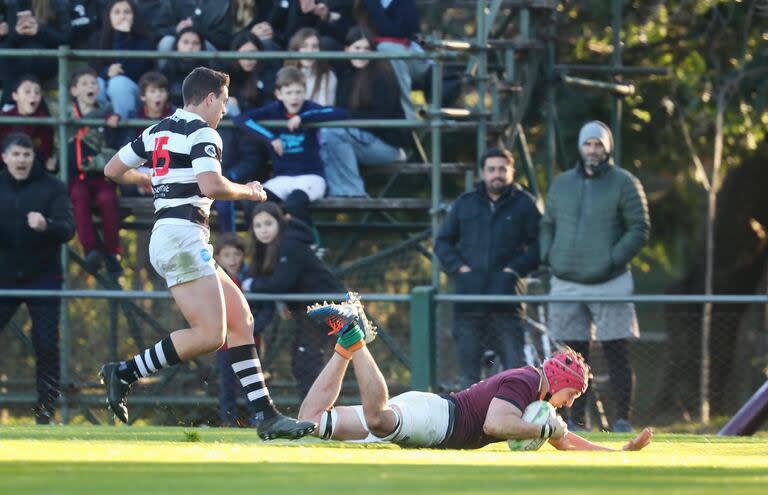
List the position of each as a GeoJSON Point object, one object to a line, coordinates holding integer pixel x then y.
{"type": "Point", "coordinates": [566, 369]}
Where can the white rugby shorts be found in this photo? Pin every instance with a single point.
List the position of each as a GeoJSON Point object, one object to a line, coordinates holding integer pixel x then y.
{"type": "Point", "coordinates": [181, 253]}
{"type": "Point", "coordinates": [424, 419]}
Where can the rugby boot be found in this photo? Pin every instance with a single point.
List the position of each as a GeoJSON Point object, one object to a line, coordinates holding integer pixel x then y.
{"type": "Point", "coordinates": [117, 391]}
{"type": "Point", "coordinates": [368, 328]}
{"type": "Point", "coordinates": [284, 427]}
{"type": "Point", "coordinates": [338, 318]}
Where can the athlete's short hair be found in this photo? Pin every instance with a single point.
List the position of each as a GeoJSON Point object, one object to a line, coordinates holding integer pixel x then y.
{"type": "Point", "coordinates": [200, 83]}
{"type": "Point", "coordinates": [290, 75]}
{"type": "Point", "coordinates": [17, 139]}
{"type": "Point", "coordinates": [152, 78]}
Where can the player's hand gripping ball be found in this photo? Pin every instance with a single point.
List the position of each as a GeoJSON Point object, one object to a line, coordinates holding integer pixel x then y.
{"type": "Point", "coordinates": [538, 413]}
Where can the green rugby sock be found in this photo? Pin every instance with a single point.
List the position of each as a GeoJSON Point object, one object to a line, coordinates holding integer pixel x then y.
{"type": "Point", "coordinates": [352, 336]}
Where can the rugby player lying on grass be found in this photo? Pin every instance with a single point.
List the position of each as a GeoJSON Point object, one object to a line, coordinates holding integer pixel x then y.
{"type": "Point", "coordinates": [487, 412]}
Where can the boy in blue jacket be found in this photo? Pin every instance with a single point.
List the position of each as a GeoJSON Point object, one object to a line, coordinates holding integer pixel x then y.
{"type": "Point", "coordinates": [295, 151]}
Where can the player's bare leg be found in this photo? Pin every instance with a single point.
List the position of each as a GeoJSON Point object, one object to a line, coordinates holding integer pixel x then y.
{"type": "Point", "coordinates": [349, 322]}
{"type": "Point", "coordinates": [245, 362]}
{"type": "Point", "coordinates": [337, 423]}
{"type": "Point", "coordinates": [381, 419]}
{"type": "Point", "coordinates": [205, 334]}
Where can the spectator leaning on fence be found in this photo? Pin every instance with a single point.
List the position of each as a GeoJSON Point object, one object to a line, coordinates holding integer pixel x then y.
{"type": "Point", "coordinates": [368, 89]}
{"type": "Point", "coordinates": [489, 243]}
{"type": "Point", "coordinates": [595, 222]}
{"type": "Point", "coordinates": [37, 219]}
{"type": "Point", "coordinates": [295, 150]}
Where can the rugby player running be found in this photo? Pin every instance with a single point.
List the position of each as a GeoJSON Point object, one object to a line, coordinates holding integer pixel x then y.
{"type": "Point", "coordinates": [184, 151]}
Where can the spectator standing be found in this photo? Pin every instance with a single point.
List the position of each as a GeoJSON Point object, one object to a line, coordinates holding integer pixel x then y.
{"type": "Point", "coordinates": [189, 40]}
{"type": "Point", "coordinates": [321, 80]}
{"type": "Point", "coordinates": [27, 96]}
{"type": "Point", "coordinates": [489, 243]}
{"type": "Point", "coordinates": [121, 29]}
{"type": "Point", "coordinates": [37, 220]}
{"type": "Point", "coordinates": [368, 90]}
{"type": "Point", "coordinates": [295, 150]}
{"type": "Point", "coordinates": [283, 262]}
{"type": "Point", "coordinates": [89, 150]}
{"type": "Point", "coordinates": [595, 222]}
{"type": "Point", "coordinates": [230, 255]}
{"type": "Point", "coordinates": [32, 24]}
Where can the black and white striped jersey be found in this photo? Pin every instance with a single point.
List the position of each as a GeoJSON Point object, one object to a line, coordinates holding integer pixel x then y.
{"type": "Point", "coordinates": [177, 148]}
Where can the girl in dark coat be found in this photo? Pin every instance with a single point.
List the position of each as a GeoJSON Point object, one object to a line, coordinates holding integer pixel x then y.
{"type": "Point", "coordinates": [283, 262]}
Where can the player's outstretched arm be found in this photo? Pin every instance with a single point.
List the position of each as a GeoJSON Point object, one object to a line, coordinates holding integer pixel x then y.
{"type": "Point", "coordinates": [216, 186]}
{"type": "Point", "coordinates": [572, 441]}
{"type": "Point", "coordinates": [117, 171]}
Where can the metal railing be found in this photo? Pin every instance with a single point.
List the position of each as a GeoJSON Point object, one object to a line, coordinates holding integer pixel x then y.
{"type": "Point", "coordinates": [425, 330]}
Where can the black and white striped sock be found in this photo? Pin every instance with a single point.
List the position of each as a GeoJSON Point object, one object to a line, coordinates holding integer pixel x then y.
{"type": "Point", "coordinates": [247, 367]}
{"type": "Point", "coordinates": [161, 355]}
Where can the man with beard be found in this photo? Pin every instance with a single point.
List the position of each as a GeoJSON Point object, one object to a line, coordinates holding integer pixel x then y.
{"type": "Point", "coordinates": [595, 222]}
{"type": "Point", "coordinates": [489, 242]}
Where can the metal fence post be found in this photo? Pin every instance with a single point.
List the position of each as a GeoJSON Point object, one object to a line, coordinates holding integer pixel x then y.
{"type": "Point", "coordinates": [65, 339]}
{"type": "Point", "coordinates": [423, 348]}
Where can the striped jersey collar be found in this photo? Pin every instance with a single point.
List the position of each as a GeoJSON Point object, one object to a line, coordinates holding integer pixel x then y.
{"type": "Point", "coordinates": [186, 115]}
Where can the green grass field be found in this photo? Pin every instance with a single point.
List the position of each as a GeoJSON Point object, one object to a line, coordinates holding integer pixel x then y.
{"type": "Point", "coordinates": [146, 460]}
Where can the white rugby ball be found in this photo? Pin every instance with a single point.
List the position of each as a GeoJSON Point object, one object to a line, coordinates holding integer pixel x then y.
{"type": "Point", "coordinates": [538, 413]}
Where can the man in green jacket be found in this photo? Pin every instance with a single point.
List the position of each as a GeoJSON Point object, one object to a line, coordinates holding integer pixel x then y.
{"type": "Point", "coordinates": [595, 222]}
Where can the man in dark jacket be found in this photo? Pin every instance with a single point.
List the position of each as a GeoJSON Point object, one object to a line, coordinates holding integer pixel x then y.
{"type": "Point", "coordinates": [489, 241]}
{"type": "Point", "coordinates": [595, 222]}
{"type": "Point", "coordinates": [37, 219]}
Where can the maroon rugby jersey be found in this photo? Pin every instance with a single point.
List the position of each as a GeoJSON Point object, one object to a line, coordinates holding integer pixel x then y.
{"type": "Point", "coordinates": [519, 387]}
